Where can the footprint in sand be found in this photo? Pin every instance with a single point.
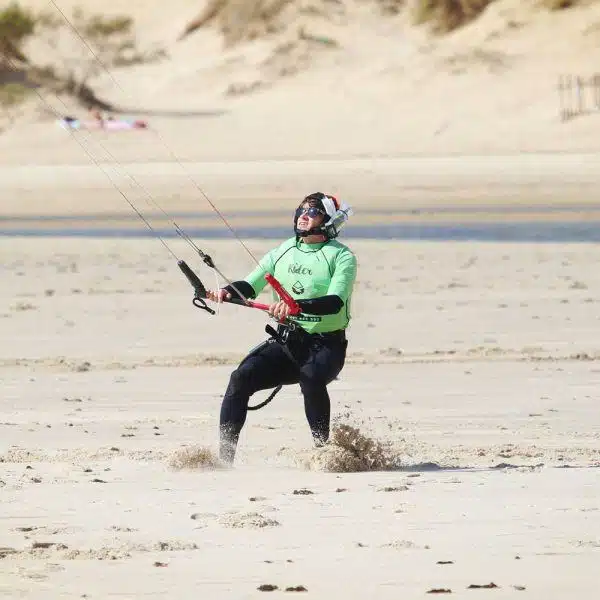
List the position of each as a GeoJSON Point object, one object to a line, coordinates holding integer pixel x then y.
{"type": "Point", "coordinates": [59, 551]}
{"type": "Point", "coordinates": [250, 520]}
{"type": "Point", "coordinates": [404, 545]}
{"type": "Point", "coordinates": [123, 529]}
{"type": "Point", "coordinates": [296, 588]}
{"type": "Point", "coordinates": [204, 519]}
{"type": "Point", "coordinates": [397, 488]}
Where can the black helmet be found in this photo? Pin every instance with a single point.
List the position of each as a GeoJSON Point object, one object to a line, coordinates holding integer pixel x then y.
{"type": "Point", "coordinates": [330, 207]}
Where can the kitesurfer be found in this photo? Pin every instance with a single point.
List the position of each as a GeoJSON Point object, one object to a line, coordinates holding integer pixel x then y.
{"type": "Point", "coordinates": [319, 273]}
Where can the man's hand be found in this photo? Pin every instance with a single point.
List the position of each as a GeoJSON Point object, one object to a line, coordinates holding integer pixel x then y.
{"type": "Point", "coordinates": [218, 296]}
{"type": "Point", "coordinates": [280, 310]}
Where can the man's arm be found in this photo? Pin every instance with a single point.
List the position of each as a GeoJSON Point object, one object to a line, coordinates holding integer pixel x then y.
{"type": "Point", "coordinates": [254, 283]}
{"type": "Point", "coordinates": [324, 305]}
{"type": "Point", "coordinates": [243, 287]}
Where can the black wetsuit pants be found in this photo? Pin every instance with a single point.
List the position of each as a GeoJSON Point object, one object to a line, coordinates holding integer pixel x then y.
{"type": "Point", "coordinates": [318, 361]}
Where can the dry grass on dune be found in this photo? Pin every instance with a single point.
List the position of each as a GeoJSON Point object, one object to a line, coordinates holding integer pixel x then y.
{"type": "Point", "coordinates": [244, 20]}
{"type": "Point", "coordinates": [562, 4]}
{"type": "Point", "coordinates": [240, 20]}
{"type": "Point", "coordinates": [447, 15]}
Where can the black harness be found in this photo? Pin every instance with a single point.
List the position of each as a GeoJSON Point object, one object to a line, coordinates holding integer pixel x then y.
{"type": "Point", "coordinates": [283, 335]}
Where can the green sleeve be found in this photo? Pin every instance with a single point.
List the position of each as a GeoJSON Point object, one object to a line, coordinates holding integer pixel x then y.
{"type": "Point", "coordinates": [257, 277]}
{"type": "Point", "coordinates": [344, 275]}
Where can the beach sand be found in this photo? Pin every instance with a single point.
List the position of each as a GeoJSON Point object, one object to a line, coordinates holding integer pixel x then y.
{"type": "Point", "coordinates": [472, 370]}
{"type": "Point", "coordinates": [466, 449]}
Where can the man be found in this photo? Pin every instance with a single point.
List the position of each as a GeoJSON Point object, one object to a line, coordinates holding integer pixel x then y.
{"type": "Point", "coordinates": [319, 273]}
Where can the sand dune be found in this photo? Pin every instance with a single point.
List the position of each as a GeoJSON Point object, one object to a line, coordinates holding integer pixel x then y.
{"type": "Point", "coordinates": [386, 87]}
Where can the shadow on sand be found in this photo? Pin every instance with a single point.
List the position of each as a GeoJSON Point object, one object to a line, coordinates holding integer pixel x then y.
{"type": "Point", "coordinates": [176, 114]}
{"type": "Point", "coordinates": [429, 467]}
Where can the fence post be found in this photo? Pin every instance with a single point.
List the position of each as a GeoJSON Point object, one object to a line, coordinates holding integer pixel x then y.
{"type": "Point", "coordinates": [573, 92]}
{"type": "Point", "coordinates": [596, 87]}
{"type": "Point", "coordinates": [561, 97]}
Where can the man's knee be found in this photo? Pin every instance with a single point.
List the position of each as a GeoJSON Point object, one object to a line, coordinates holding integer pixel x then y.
{"type": "Point", "coordinates": [235, 400]}
{"type": "Point", "coordinates": [312, 384]}
{"type": "Point", "coordinates": [313, 379]}
{"type": "Point", "coordinates": [240, 379]}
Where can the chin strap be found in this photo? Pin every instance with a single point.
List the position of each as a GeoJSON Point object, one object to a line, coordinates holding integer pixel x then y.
{"type": "Point", "coordinates": [321, 230]}
{"type": "Point", "coordinates": [313, 231]}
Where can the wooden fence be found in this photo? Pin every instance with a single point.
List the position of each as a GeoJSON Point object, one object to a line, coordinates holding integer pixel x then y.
{"type": "Point", "coordinates": [578, 95]}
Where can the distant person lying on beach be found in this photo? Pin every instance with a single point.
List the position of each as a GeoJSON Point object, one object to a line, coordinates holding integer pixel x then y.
{"type": "Point", "coordinates": [98, 121]}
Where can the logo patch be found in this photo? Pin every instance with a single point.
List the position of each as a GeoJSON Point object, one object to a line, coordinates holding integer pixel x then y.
{"type": "Point", "coordinates": [298, 269]}
{"type": "Point", "coordinates": [307, 318]}
{"type": "Point", "coordinates": [298, 288]}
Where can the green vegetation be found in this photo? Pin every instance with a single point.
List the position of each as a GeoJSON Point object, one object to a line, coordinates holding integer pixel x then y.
{"type": "Point", "coordinates": [558, 4]}
{"type": "Point", "coordinates": [13, 94]}
{"type": "Point", "coordinates": [98, 26]}
{"type": "Point", "coordinates": [16, 24]}
{"type": "Point", "coordinates": [448, 15]}
{"type": "Point", "coordinates": [74, 57]}
{"type": "Point", "coordinates": [445, 16]}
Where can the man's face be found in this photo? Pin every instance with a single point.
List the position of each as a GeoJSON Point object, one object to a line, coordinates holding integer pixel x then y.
{"type": "Point", "coordinates": [309, 217]}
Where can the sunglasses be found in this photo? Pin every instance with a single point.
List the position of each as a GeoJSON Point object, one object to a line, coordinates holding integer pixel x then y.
{"type": "Point", "coordinates": [311, 211]}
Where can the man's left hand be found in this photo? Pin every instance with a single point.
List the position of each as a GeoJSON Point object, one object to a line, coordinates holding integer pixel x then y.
{"type": "Point", "coordinates": [280, 310]}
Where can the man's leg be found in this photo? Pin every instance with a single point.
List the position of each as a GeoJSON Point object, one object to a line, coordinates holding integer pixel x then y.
{"type": "Point", "coordinates": [265, 369]}
{"type": "Point", "coordinates": [322, 367]}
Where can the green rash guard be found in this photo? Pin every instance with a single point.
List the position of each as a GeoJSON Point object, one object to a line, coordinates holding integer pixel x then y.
{"type": "Point", "coordinates": [309, 271]}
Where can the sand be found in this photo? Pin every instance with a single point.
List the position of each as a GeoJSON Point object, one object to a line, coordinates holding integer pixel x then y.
{"type": "Point", "coordinates": [472, 368]}
{"type": "Point", "coordinates": [465, 456]}
{"type": "Point", "coordinates": [387, 88]}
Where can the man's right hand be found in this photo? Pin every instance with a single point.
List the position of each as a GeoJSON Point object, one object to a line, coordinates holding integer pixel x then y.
{"type": "Point", "coordinates": [218, 296]}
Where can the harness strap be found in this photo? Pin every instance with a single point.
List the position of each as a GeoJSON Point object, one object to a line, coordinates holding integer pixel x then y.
{"type": "Point", "coordinates": [265, 402]}
{"type": "Point", "coordinates": [278, 338]}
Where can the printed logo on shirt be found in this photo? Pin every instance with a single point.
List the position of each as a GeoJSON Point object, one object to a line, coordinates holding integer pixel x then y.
{"type": "Point", "coordinates": [298, 288]}
{"type": "Point", "coordinates": [298, 269]}
{"type": "Point", "coordinates": [306, 318]}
